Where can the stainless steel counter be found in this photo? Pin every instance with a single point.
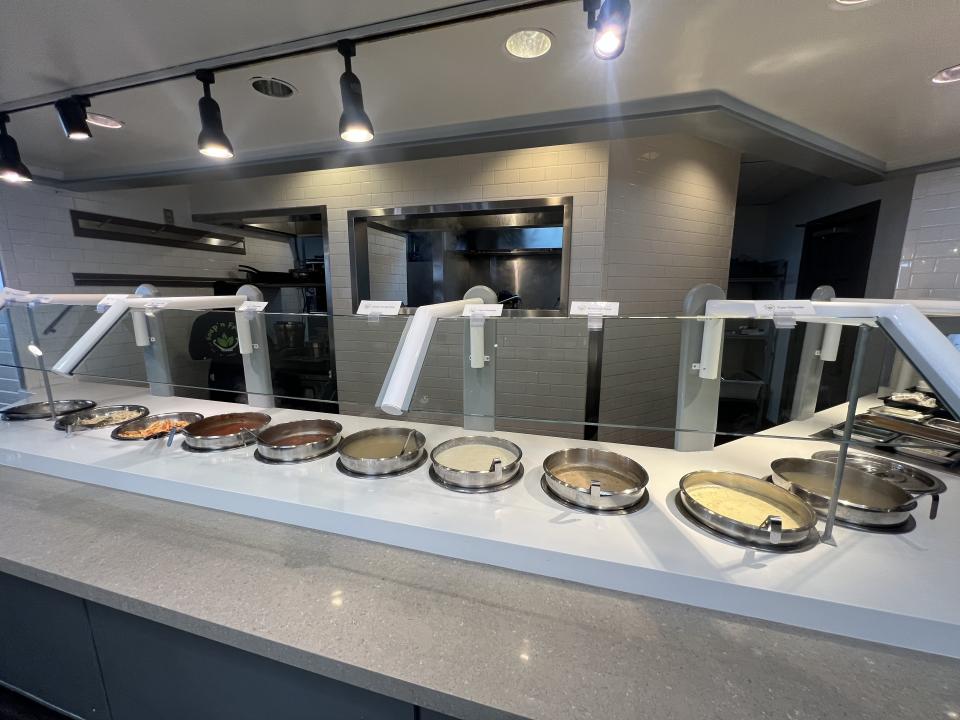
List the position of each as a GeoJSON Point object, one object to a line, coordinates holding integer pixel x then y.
{"type": "Point", "coordinates": [464, 639]}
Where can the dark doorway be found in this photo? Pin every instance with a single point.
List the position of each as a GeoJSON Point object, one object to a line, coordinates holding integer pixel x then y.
{"type": "Point", "coordinates": [836, 252]}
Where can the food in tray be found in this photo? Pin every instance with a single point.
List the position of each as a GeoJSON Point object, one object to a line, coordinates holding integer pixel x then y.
{"type": "Point", "coordinates": [157, 427]}
{"type": "Point", "coordinates": [741, 506]}
{"type": "Point", "coordinates": [476, 457]}
{"type": "Point", "coordinates": [378, 446]}
{"type": "Point", "coordinates": [898, 412]}
{"type": "Point", "coordinates": [114, 417]}
{"type": "Point", "coordinates": [915, 398]}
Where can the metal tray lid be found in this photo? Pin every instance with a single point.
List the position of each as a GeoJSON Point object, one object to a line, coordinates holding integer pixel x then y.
{"type": "Point", "coordinates": [914, 480]}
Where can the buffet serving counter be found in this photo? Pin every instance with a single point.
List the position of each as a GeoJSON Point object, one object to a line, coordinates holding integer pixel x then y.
{"type": "Point", "coordinates": [864, 587]}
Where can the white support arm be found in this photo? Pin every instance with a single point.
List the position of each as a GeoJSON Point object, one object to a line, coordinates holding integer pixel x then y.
{"type": "Point", "coordinates": [928, 349]}
{"type": "Point", "coordinates": [401, 379]}
{"type": "Point", "coordinates": [71, 359]}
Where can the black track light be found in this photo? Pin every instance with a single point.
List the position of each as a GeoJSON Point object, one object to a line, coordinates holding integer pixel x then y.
{"type": "Point", "coordinates": [12, 169]}
{"type": "Point", "coordinates": [355, 125]}
{"type": "Point", "coordinates": [609, 21]}
{"type": "Point", "coordinates": [213, 141]}
{"type": "Point", "coordinates": [72, 112]}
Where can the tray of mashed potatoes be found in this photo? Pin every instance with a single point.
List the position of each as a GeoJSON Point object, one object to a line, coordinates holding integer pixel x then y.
{"type": "Point", "coordinates": [746, 509]}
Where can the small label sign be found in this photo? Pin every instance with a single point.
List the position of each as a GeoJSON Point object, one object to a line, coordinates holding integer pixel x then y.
{"type": "Point", "coordinates": [252, 306]}
{"type": "Point", "coordinates": [379, 307]}
{"type": "Point", "coordinates": [494, 310]}
{"type": "Point", "coordinates": [785, 307]}
{"type": "Point", "coordinates": [592, 307]}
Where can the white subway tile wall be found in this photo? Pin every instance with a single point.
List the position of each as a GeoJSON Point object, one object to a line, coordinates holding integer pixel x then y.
{"type": "Point", "coordinates": [39, 253]}
{"type": "Point", "coordinates": [387, 254]}
{"type": "Point", "coordinates": [930, 262]}
{"type": "Point", "coordinates": [364, 352]}
{"type": "Point", "coordinates": [669, 226]}
{"type": "Point", "coordinates": [577, 170]}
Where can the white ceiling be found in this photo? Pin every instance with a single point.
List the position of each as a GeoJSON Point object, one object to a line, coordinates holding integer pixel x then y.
{"type": "Point", "coordinates": [858, 75]}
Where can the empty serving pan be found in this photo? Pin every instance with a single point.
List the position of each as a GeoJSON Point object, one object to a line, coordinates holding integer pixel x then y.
{"type": "Point", "coordinates": [865, 499]}
{"type": "Point", "coordinates": [298, 441]}
{"type": "Point", "coordinates": [224, 432]}
{"type": "Point", "coordinates": [914, 480]}
{"type": "Point", "coordinates": [476, 463]}
{"type": "Point", "coordinates": [155, 426]}
{"type": "Point", "coordinates": [746, 509]}
{"type": "Point", "coordinates": [382, 451]}
{"type": "Point", "coordinates": [100, 417]}
{"type": "Point", "coordinates": [41, 410]}
{"type": "Point", "coordinates": [594, 480]}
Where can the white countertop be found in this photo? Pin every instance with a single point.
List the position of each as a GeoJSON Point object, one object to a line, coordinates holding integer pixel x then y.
{"type": "Point", "coordinates": [895, 589]}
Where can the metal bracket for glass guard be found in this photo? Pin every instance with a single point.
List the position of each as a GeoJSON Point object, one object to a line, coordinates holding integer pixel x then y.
{"type": "Point", "coordinates": [479, 382]}
{"type": "Point", "coordinates": [591, 427]}
{"type": "Point", "coordinates": [853, 395]}
{"type": "Point", "coordinates": [784, 321]}
{"type": "Point", "coordinates": [40, 363]}
{"type": "Point", "coordinates": [373, 318]}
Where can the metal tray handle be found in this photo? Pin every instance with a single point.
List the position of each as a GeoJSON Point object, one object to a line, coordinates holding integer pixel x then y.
{"type": "Point", "coordinates": [496, 467]}
{"type": "Point", "coordinates": [774, 523]}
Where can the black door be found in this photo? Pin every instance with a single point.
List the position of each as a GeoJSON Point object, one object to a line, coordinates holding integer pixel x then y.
{"type": "Point", "coordinates": [836, 252]}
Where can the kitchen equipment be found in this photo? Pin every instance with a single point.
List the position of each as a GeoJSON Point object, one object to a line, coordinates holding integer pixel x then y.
{"type": "Point", "coordinates": [914, 480]}
{"type": "Point", "coordinates": [298, 441]}
{"type": "Point", "coordinates": [864, 433]}
{"type": "Point", "coordinates": [865, 500]}
{"type": "Point", "coordinates": [224, 432]}
{"type": "Point", "coordinates": [598, 481]}
{"type": "Point", "coordinates": [381, 451]}
{"type": "Point", "coordinates": [924, 432]}
{"type": "Point", "coordinates": [99, 417]}
{"type": "Point", "coordinates": [913, 401]}
{"type": "Point", "coordinates": [41, 410]}
{"type": "Point", "coordinates": [456, 464]}
{"type": "Point", "coordinates": [748, 510]}
{"type": "Point", "coordinates": [124, 432]}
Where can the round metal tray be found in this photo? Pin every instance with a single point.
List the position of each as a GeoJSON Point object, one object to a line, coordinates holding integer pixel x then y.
{"type": "Point", "coordinates": [638, 505]}
{"type": "Point", "coordinates": [770, 533]}
{"type": "Point", "coordinates": [865, 499]}
{"type": "Point", "coordinates": [811, 541]}
{"type": "Point", "coordinates": [381, 466]}
{"type": "Point", "coordinates": [514, 479]}
{"type": "Point", "coordinates": [615, 482]}
{"type": "Point", "coordinates": [268, 461]}
{"type": "Point", "coordinates": [146, 420]}
{"type": "Point", "coordinates": [41, 410]}
{"type": "Point", "coordinates": [496, 477]}
{"type": "Point", "coordinates": [279, 443]}
{"type": "Point", "coordinates": [914, 480]}
{"type": "Point", "coordinates": [72, 421]}
{"type": "Point", "coordinates": [216, 432]}
{"type": "Point", "coordinates": [421, 459]}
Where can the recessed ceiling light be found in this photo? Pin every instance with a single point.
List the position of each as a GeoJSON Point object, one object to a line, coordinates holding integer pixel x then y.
{"type": "Point", "coordinates": [104, 121]}
{"type": "Point", "coordinates": [272, 87]}
{"type": "Point", "coordinates": [529, 43]}
{"type": "Point", "coordinates": [947, 75]}
{"type": "Point", "coordinates": [851, 2]}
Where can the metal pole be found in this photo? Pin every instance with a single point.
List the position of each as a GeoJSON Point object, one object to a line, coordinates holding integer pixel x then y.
{"type": "Point", "coordinates": [43, 368]}
{"type": "Point", "coordinates": [853, 395]}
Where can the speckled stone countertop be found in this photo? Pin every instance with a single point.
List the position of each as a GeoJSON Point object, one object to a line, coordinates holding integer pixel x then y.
{"type": "Point", "coordinates": [464, 639]}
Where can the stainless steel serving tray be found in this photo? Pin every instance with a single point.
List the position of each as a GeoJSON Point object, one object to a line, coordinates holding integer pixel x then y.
{"type": "Point", "coordinates": [865, 499]}
{"type": "Point", "coordinates": [373, 466]}
{"type": "Point", "coordinates": [298, 441]}
{"type": "Point", "coordinates": [499, 475]}
{"type": "Point", "coordinates": [41, 410]}
{"type": "Point", "coordinates": [771, 531]}
{"type": "Point", "coordinates": [914, 480]}
{"type": "Point", "coordinates": [219, 432]}
{"type": "Point", "coordinates": [595, 480]}
{"type": "Point", "coordinates": [72, 422]}
{"type": "Point", "coordinates": [147, 420]}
